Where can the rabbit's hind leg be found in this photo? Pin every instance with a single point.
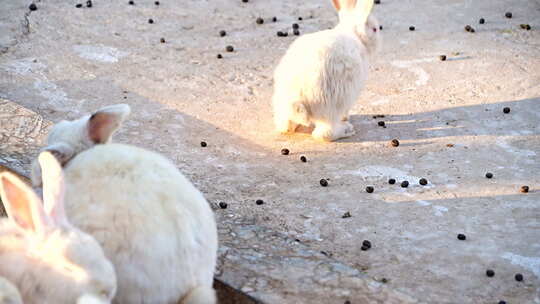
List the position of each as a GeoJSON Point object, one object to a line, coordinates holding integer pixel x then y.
{"type": "Point", "coordinates": [330, 132]}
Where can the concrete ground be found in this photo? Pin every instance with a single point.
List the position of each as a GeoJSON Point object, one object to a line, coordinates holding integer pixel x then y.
{"type": "Point", "coordinates": [62, 62]}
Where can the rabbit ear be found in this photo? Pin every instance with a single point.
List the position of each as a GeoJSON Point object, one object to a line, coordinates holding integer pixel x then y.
{"type": "Point", "coordinates": [103, 123]}
{"type": "Point", "coordinates": [53, 187]}
{"type": "Point", "coordinates": [23, 207]}
{"type": "Point", "coordinates": [347, 5]}
{"type": "Point", "coordinates": [364, 8]}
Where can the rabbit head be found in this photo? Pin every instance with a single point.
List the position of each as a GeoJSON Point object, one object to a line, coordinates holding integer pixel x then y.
{"type": "Point", "coordinates": [355, 16]}
{"type": "Point", "coordinates": [68, 138]}
{"type": "Point", "coordinates": [48, 259]}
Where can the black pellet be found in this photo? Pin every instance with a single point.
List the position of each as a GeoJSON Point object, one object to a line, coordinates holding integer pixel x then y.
{"type": "Point", "coordinates": [391, 181]}
{"type": "Point", "coordinates": [88, 3]}
{"type": "Point", "coordinates": [295, 26]}
{"type": "Point", "coordinates": [346, 215]}
{"type": "Point", "coordinates": [300, 18]}
{"type": "Point", "coordinates": [150, 21]}
{"type": "Point", "coordinates": [370, 189]}
{"type": "Point", "coordinates": [303, 159]}
{"type": "Point", "coordinates": [506, 110]}
{"type": "Point", "coordinates": [404, 184]}
{"type": "Point", "coordinates": [489, 175]}
{"type": "Point", "coordinates": [482, 21]}
{"type": "Point", "coordinates": [377, 1]}
{"type": "Point", "coordinates": [219, 56]}
{"type": "Point", "coordinates": [259, 202]}
{"type": "Point", "coordinates": [381, 123]}
{"type": "Point", "coordinates": [490, 273]}
{"type": "Point", "coordinates": [223, 205]}
{"type": "Point", "coordinates": [524, 189]}
{"type": "Point", "coordinates": [323, 182]}
{"type": "Point", "coordinates": [78, 5]}
{"type": "Point", "coordinates": [508, 15]}
{"type": "Point", "coordinates": [518, 277]}
{"type": "Point", "coordinates": [274, 19]}
{"type": "Point", "coordinates": [423, 181]}
{"type": "Point", "coordinates": [366, 243]}
{"type": "Point", "coordinates": [162, 40]}
{"type": "Point", "coordinates": [259, 20]}
{"type": "Point", "coordinates": [442, 57]}
{"type": "Point", "coordinates": [296, 32]}
{"type": "Point", "coordinates": [394, 143]}
{"type": "Point", "coordinates": [412, 28]}
{"type": "Point", "coordinates": [156, 2]}
{"type": "Point", "coordinates": [229, 48]}
{"type": "Point", "coordinates": [285, 151]}
{"type": "Point", "coordinates": [131, 2]}
{"type": "Point", "coordinates": [33, 7]}
{"type": "Point", "coordinates": [203, 144]}
{"type": "Point", "coordinates": [461, 237]}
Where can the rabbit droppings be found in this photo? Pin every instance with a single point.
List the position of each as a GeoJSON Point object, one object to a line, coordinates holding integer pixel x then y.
{"type": "Point", "coordinates": [154, 225]}
{"type": "Point", "coordinates": [9, 293]}
{"type": "Point", "coordinates": [322, 74]}
{"type": "Point", "coordinates": [49, 260]}
{"type": "Point", "coordinates": [68, 138]}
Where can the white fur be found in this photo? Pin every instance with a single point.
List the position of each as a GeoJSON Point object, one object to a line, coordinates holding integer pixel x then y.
{"type": "Point", "coordinates": [322, 74]}
{"type": "Point", "coordinates": [49, 260]}
{"type": "Point", "coordinates": [9, 293]}
{"type": "Point", "coordinates": [68, 138]}
{"type": "Point", "coordinates": [154, 225]}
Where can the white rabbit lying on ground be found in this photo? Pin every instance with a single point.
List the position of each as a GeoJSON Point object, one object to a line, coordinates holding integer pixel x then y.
{"type": "Point", "coordinates": [154, 225]}
{"type": "Point", "coordinates": [49, 260]}
{"type": "Point", "coordinates": [322, 74]}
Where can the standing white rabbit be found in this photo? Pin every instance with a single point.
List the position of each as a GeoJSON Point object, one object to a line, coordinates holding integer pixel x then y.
{"type": "Point", "coordinates": [154, 225]}
{"type": "Point", "coordinates": [68, 138]}
{"type": "Point", "coordinates": [9, 293]}
{"type": "Point", "coordinates": [322, 74]}
{"type": "Point", "coordinates": [49, 260]}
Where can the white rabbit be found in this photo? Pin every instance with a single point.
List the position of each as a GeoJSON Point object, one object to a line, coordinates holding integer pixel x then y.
{"type": "Point", "coordinates": [68, 138]}
{"type": "Point", "coordinates": [153, 224]}
{"type": "Point", "coordinates": [9, 294]}
{"type": "Point", "coordinates": [322, 74]}
{"type": "Point", "coordinates": [49, 260]}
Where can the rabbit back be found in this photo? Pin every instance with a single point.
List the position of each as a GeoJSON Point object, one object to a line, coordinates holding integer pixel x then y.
{"type": "Point", "coordinates": [154, 225]}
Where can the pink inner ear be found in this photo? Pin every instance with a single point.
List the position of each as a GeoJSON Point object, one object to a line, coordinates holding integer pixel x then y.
{"type": "Point", "coordinates": [101, 126]}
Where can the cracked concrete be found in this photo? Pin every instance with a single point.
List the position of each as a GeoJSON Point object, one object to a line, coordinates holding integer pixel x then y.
{"type": "Point", "coordinates": [447, 115]}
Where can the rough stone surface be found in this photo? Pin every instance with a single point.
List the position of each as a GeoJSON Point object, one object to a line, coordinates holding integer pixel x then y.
{"type": "Point", "coordinates": [448, 117]}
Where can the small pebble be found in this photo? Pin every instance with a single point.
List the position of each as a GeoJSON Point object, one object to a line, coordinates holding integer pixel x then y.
{"type": "Point", "coordinates": [219, 56]}
{"type": "Point", "coordinates": [88, 3]}
{"type": "Point", "coordinates": [489, 175]}
{"type": "Point", "coordinates": [369, 189]}
{"type": "Point", "coordinates": [524, 189]}
{"type": "Point", "coordinates": [381, 123]}
{"type": "Point", "coordinates": [203, 144]}
{"type": "Point", "coordinates": [366, 243]}
{"type": "Point", "coordinates": [150, 21]}
{"type": "Point", "coordinates": [78, 5]}
{"type": "Point", "coordinates": [229, 48]}
{"type": "Point", "coordinates": [506, 110]}
{"type": "Point", "coordinates": [222, 33]}
{"type": "Point", "coordinates": [285, 151]}
{"type": "Point", "coordinates": [394, 143]}
{"type": "Point", "coordinates": [259, 202]}
{"type": "Point", "coordinates": [33, 7]}
{"type": "Point", "coordinates": [156, 2]}
{"type": "Point", "coordinates": [323, 182]}
{"type": "Point", "coordinates": [162, 40]}
{"type": "Point", "coordinates": [490, 273]}
{"type": "Point", "coordinates": [411, 28]}
{"type": "Point", "coordinates": [259, 20]}
{"type": "Point", "coordinates": [303, 159]}
{"type": "Point", "coordinates": [274, 19]}
{"type": "Point", "coordinates": [222, 205]}
{"type": "Point", "coordinates": [131, 2]}
{"type": "Point", "coordinates": [404, 184]}
{"type": "Point", "coordinates": [442, 57]}
{"type": "Point", "coordinates": [391, 181]}
{"type": "Point", "coordinates": [295, 26]}
{"type": "Point", "coordinates": [461, 237]}
{"type": "Point", "coordinates": [482, 21]}
{"type": "Point", "coordinates": [423, 181]}
{"type": "Point", "coordinates": [508, 15]}
{"type": "Point", "coordinates": [296, 32]}
{"type": "Point", "coordinates": [346, 215]}
{"type": "Point", "coordinates": [518, 277]}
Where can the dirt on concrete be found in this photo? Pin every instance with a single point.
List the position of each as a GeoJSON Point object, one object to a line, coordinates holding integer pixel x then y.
{"type": "Point", "coordinates": [63, 62]}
